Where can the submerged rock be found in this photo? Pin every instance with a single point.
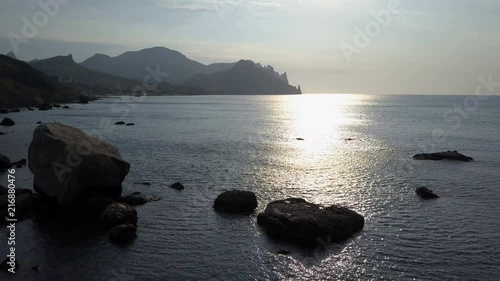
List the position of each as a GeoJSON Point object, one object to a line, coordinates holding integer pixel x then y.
{"type": "Point", "coordinates": [425, 193]}
{"type": "Point", "coordinates": [130, 124]}
{"type": "Point", "coordinates": [236, 201]}
{"type": "Point", "coordinates": [123, 234]}
{"type": "Point", "coordinates": [117, 214]}
{"type": "Point", "coordinates": [65, 107]}
{"type": "Point", "coordinates": [67, 163]}
{"type": "Point", "coordinates": [31, 109]}
{"type": "Point", "coordinates": [39, 122]}
{"type": "Point", "coordinates": [137, 198]}
{"type": "Point", "coordinates": [4, 162]}
{"type": "Point", "coordinates": [448, 155]}
{"type": "Point", "coordinates": [120, 123]}
{"type": "Point", "coordinates": [299, 221]}
{"type": "Point", "coordinates": [7, 122]}
{"type": "Point", "coordinates": [299, 139]}
{"type": "Point", "coordinates": [15, 110]}
{"type": "Point", "coordinates": [177, 186]}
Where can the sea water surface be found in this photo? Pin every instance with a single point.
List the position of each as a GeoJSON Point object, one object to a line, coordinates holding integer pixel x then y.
{"type": "Point", "coordinates": [357, 152]}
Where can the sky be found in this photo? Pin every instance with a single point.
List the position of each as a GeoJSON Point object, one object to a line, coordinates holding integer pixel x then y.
{"type": "Point", "coordinates": [326, 46]}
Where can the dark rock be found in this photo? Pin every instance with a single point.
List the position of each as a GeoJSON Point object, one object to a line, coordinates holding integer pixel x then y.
{"type": "Point", "coordinates": [299, 221]}
{"type": "Point", "coordinates": [4, 111]}
{"type": "Point", "coordinates": [146, 183]}
{"type": "Point", "coordinates": [15, 110]}
{"type": "Point", "coordinates": [283, 252]}
{"type": "Point", "coordinates": [84, 99]}
{"type": "Point", "coordinates": [45, 106]}
{"type": "Point", "coordinates": [4, 162]}
{"type": "Point", "coordinates": [36, 268]}
{"type": "Point", "coordinates": [57, 105]}
{"type": "Point", "coordinates": [94, 206]}
{"type": "Point", "coordinates": [130, 124]}
{"type": "Point", "coordinates": [137, 198]}
{"type": "Point", "coordinates": [177, 186]}
{"type": "Point", "coordinates": [7, 122]}
{"type": "Point", "coordinates": [31, 109]}
{"type": "Point", "coordinates": [117, 214]}
{"type": "Point", "coordinates": [300, 139]}
{"type": "Point", "coordinates": [236, 201]}
{"type": "Point", "coordinates": [65, 107]}
{"type": "Point", "coordinates": [349, 139]}
{"type": "Point", "coordinates": [5, 265]}
{"type": "Point", "coordinates": [120, 123]}
{"type": "Point", "coordinates": [123, 234]}
{"type": "Point", "coordinates": [448, 155]}
{"type": "Point", "coordinates": [39, 122]}
{"type": "Point", "coordinates": [100, 167]}
{"type": "Point", "coordinates": [20, 163]}
{"type": "Point", "coordinates": [425, 193]}
{"type": "Point", "coordinates": [2, 134]}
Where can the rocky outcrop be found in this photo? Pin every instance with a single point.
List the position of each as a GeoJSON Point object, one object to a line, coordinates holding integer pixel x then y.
{"type": "Point", "coordinates": [7, 122]}
{"type": "Point", "coordinates": [67, 163]}
{"type": "Point", "coordinates": [297, 220]}
{"type": "Point", "coordinates": [117, 214]}
{"type": "Point", "coordinates": [425, 193]}
{"type": "Point", "coordinates": [137, 198]}
{"type": "Point", "coordinates": [236, 201]}
{"type": "Point", "coordinates": [4, 162]}
{"type": "Point", "coordinates": [177, 186]}
{"type": "Point", "coordinates": [448, 155]}
{"type": "Point", "coordinates": [123, 234]}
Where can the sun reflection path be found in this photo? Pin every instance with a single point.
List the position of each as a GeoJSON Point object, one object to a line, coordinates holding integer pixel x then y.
{"type": "Point", "coordinates": [321, 121]}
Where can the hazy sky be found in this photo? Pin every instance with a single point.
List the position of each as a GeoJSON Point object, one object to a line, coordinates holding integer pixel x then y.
{"type": "Point", "coordinates": [427, 46]}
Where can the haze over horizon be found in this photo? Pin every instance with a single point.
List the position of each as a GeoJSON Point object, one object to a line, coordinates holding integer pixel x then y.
{"type": "Point", "coordinates": [427, 47]}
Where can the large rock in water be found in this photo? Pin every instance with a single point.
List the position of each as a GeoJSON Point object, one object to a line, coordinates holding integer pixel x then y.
{"type": "Point", "coordinates": [236, 201]}
{"type": "Point", "coordinates": [299, 221]}
{"type": "Point", "coordinates": [67, 163]}
{"type": "Point", "coordinates": [448, 155]}
{"type": "Point", "coordinates": [425, 193]}
{"type": "Point", "coordinates": [7, 122]}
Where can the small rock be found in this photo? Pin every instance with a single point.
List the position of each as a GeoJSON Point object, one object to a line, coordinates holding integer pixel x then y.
{"type": "Point", "coordinates": [95, 206]}
{"type": "Point", "coordinates": [21, 163]}
{"type": "Point", "coordinates": [117, 214]}
{"type": "Point", "coordinates": [349, 139]}
{"type": "Point", "coordinates": [299, 139]}
{"type": "Point", "coordinates": [31, 109]}
{"type": "Point", "coordinates": [36, 268]}
{"type": "Point", "coordinates": [123, 234]}
{"type": "Point", "coordinates": [7, 122]}
{"type": "Point", "coordinates": [39, 122]}
{"type": "Point", "coordinates": [2, 134]}
{"type": "Point", "coordinates": [137, 198]}
{"type": "Point", "coordinates": [146, 183]}
{"type": "Point", "coordinates": [177, 186]}
{"type": "Point", "coordinates": [120, 123]}
{"type": "Point", "coordinates": [236, 201]}
{"type": "Point", "coordinates": [65, 107]}
{"type": "Point", "coordinates": [425, 193]}
{"type": "Point", "coordinates": [4, 111]}
{"type": "Point", "coordinates": [283, 252]}
{"type": "Point", "coordinates": [15, 110]}
{"type": "Point", "coordinates": [57, 105]}
{"type": "Point", "coordinates": [130, 124]}
{"type": "Point", "coordinates": [4, 162]}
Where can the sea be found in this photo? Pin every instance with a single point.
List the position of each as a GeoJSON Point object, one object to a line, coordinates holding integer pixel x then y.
{"type": "Point", "coordinates": [356, 152]}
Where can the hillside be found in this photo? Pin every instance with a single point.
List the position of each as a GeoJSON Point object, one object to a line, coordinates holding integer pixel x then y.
{"type": "Point", "coordinates": [23, 85]}
{"type": "Point", "coordinates": [245, 78]}
{"type": "Point", "coordinates": [134, 64]}
{"type": "Point", "coordinates": [66, 66]}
